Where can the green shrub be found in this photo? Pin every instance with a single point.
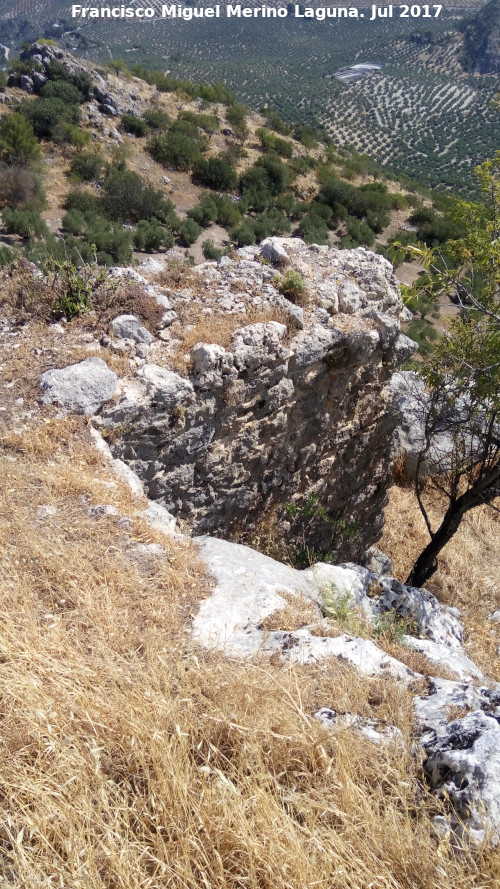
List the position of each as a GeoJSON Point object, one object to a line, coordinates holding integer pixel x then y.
{"type": "Point", "coordinates": [57, 71]}
{"type": "Point", "coordinates": [210, 251]}
{"type": "Point", "coordinates": [293, 287]}
{"type": "Point", "coordinates": [189, 230]}
{"type": "Point", "coordinates": [75, 136]}
{"type": "Point", "coordinates": [62, 89]}
{"type": "Point", "coordinates": [207, 122]}
{"type": "Point", "coordinates": [128, 197]}
{"type": "Point", "coordinates": [228, 212]}
{"type": "Point", "coordinates": [306, 135]}
{"type": "Point", "coordinates": [18, 143]}
{"type": "Point", "coordinates": [25, 223]}
{"type": "Point", "coordinates": [215, 173]}
{"type": "Point", "coordinates": [48, 117]}
{"type": "Point", "coordinates": [74, 222]}
{"type": "Point", "coordinates": [82, 200]}
{"type": "Point", "coordinates": [86, 166]}
{"type": "Point", "coordinates": [136, 126]}
{"type": "Point", "coordinates": [236, 115]}
{"type": "Point", "coordinates": [6, 256]}
{"type": "Point", "coordinates": [150, 235]}
{"type": "Point", "coordinates": [156, 119]}
{"type": "Point", "coordinates": [275, 122]}
{"type": "Point", "coordinates": [269, 174]}
{"type": "Point", "coordinates": [91, 230]}
{"type": "Point", "coordinates": [181, 147]}
{"type": "Point", "coordinates": [205, 212]}
{"type": "Point", "coordinates": [244, 235]}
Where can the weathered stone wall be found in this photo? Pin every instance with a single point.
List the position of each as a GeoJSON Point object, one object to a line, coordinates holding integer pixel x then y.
{"type": "Point", "coordinates": [288, 411]}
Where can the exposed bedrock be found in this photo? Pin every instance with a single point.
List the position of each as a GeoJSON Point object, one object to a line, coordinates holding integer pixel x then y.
{"type": "Point", "coordinates": [283, 413]}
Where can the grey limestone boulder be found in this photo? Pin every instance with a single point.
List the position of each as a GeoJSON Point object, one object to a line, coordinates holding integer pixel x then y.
{"type": "Point", "coordinates": [377, 562]}
{"type": "Point", "coordinates": [259, 344]}
{"type": "Point", "coordinates": [273, 250]}
{"type": "Point", "coordinates": [81, 388]}
{"type": "Point", "coordinates": [165, 387]}
{"type": "Point", "coordinates": [129, 327]}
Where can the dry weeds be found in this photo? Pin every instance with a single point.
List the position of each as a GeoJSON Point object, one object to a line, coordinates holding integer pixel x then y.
{"type": "Point", "coordinates": [131, 760]}
{"type": "Point", "coordinates": [219, 328]}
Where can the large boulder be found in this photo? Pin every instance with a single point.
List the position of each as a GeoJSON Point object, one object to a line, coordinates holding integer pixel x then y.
{"type": "Point", "coordinates": [81, 388]}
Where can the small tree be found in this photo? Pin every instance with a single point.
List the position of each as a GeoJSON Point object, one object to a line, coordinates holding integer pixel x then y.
{"type": "Point", "coordinates": [18, 143]}
{"type": "Point", "coordinates": [462, 375]}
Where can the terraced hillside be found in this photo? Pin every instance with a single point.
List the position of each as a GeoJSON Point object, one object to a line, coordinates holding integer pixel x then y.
{"type": "Point", "coordinates": [424, 115]}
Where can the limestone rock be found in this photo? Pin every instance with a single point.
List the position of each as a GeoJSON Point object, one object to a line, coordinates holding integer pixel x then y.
{"type": "Point", "coordinates": [254, 344]}
{"type": "Point", "coordinates": [81, 388]}
{"type": "Point", "coordinates": [281, 411]}
{"type": "Point", "coordinates": [377, 562]}
{"type": "Point", "coordinates": [165, 387]}
{"type": "Point", "coordinates": [374, 730]}
{"type": "Point", "coordinates": [274, 250]}
{"type": "Point", "coordinates": [129, 327]}
{"type": "Point", "coordinates": [463, 754]}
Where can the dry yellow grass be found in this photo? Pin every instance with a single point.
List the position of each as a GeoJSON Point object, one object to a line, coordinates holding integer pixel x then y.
{"type": "Point", "coordinates": [468, 575]}
{"type": "Point", "coordinates": [219, 327]}
{"type": "Point", "coordinates": [129, 759]}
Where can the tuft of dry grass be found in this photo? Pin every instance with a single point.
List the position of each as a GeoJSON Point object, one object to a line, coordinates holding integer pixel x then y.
{"type": "Point", "coordinates": [468, 574]}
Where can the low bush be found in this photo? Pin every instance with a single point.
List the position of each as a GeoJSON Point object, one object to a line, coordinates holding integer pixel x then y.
{"type": "Point", "coordinates": [127, 197]}
{"type": "Point", "coordinates": [86, 166]}
{"type": "Point", "coordinates": [135, 126]}
{"type": "Point", "coordinates": [63, 90]}
{"type": "Point", "coordinates": [156, 119]}
{"type": "Point", "coordinates": [293, 287]}
{"type": "Point", "coordinates": [150, 235]}
{"type": "Point", "coordinates": [210, 251]}
{"type": "Point", "coordinates": [49, 116]}
{"type": "Point", "coordinates": [189, 230]}
{"type": "Point", "coordinates": [215, 173]}
{"type": "Point", "coordinates": [25, 223]}
{"type": "Point", "coordinates": [18, 143]}
{"type": "Point", "coordinates": [181, 147]}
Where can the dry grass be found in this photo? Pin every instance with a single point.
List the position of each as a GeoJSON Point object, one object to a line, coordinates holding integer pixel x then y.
{"type": "Point", "coordinates": [296, 613]}
{"type": "Point", "coordinates": [130, 760]}
{"type": "Point", "coordinates": [468, 575]}
{"type": "Point", "coordinates": [219, 327]}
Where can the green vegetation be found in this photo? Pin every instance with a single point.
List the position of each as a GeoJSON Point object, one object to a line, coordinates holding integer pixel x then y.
{"type": "Point", "coordinates": [293, 287]}
{"type": "Point", "coordinates": [18, 142]}
{"type": "Point", "coordinates": [181, 147]}
{"type": "Point", "coordinates": [87, 166]}
{"type": "Point", "coordinates": [135, 126]}
{"type": "Point", "coordinates": [462, 371]}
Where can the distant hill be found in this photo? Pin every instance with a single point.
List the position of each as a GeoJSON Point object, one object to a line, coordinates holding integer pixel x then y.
{"type": "Point", "coordinates": [482, 40]}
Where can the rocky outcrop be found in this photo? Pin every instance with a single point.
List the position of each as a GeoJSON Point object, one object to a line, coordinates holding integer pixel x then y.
{"type": "Point", "coordinates": [460, 727]}
{"type": "Point", "coordinates": [288, 419]}
{"type": "Point", "coordinates": [113, 98]}
{"type": "Point", "coordinates": [81, 388]}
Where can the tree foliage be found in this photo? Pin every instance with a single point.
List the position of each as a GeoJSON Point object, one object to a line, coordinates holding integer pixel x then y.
{"type": "Point", "coordinates": [462, 373]}
{"type": "Point", "coordinates": [18, 143]}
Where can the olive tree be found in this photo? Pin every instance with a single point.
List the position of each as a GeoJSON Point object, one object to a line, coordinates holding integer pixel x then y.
{"type": "Point", "coordinates": [462, 376]}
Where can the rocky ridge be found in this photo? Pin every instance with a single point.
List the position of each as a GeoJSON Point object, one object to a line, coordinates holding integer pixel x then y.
{"type": "Point", "coordinates": [308, 410]}
{"type": "Point", "coordinates": [289, 409]}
